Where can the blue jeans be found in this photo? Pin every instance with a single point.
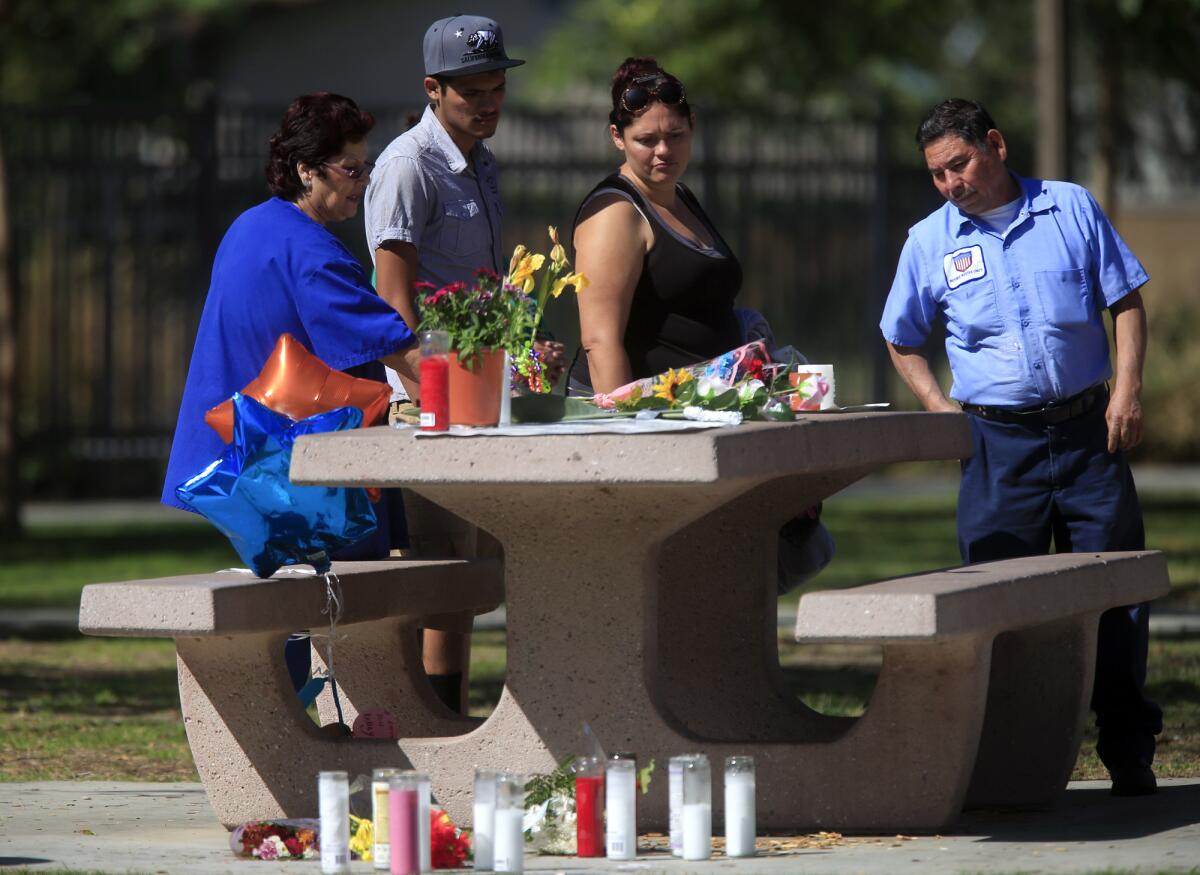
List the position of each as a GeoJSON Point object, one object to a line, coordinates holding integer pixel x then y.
{"type": "Point", "coordinates": [1030, 483]}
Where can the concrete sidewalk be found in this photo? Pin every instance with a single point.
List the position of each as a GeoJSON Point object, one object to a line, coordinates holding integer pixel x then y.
{"type": "Point", "coordinates": [169, 828]}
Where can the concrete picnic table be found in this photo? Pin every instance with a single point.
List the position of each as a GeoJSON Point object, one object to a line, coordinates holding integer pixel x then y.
{"type": "Point", "coordinates": [641, 598]}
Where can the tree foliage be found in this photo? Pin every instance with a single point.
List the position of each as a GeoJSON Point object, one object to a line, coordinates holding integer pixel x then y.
{"type": "Point", "coordinates": [54, 50]}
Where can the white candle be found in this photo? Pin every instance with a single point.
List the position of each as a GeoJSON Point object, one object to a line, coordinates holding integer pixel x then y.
{"type": "Point", "coordinates": [333, 791]}
{"type": "Point", "coordinates": [739, 814]}
{"type": "Point", "coordinates": [484, 820]}
{"type": "Point", "coordinates": [423, 824]}
{"type": "Point", "coordinates": [509, 849]}
{"type": "Point", "coordinates": [696, 823]}
{"type": "Point", "coordinates": [620, 809]}
{"type": "Point", "coordinates": [381, 781]}
{"type": "Point", "coordinates": [675, 800]}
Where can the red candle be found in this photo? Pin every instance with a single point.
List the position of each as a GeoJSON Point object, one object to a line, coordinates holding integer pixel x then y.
{"type": "Point", "coordinates": [435, 393]}
{"type": "Point", "coordinates": [589, 815]}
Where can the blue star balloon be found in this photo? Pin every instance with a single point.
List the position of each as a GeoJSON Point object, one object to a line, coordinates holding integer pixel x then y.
{"type": "Point", "coordinates": [270, 521]}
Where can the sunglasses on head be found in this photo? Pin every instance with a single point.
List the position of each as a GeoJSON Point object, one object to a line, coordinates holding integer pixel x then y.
{"type": "Point", "coordinates": [647, 88]}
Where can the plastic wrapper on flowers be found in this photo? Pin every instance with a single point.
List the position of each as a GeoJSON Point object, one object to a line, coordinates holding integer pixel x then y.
{"type": "Point", "coordinates": [745, 362]}
{"type": "Point", "coordinates": [549, 825]}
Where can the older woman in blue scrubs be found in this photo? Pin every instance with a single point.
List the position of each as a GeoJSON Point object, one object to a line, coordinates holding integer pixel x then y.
{"type": "Point", "coordinates": [279, 270]}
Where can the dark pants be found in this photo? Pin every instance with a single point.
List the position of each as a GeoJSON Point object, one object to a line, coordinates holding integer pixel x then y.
{"type": "Point", "coordinates": [1028, 483]}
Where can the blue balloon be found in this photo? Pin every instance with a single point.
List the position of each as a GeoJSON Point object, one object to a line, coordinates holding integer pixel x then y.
{"type": "Point", "coordinates": [270, 521]}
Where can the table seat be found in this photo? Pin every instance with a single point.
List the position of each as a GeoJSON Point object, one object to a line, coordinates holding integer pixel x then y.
{"type": "Point", "coordinates": [1029, 623]}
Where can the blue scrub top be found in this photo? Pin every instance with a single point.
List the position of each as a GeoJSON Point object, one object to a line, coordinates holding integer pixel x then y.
{"type": "Point", "coordinates": [276, 271]}
{"type": "Point", "coordinates": [1023, 307]}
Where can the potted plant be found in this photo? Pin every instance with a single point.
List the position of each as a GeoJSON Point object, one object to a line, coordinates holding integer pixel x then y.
{"type": "Point", "coordinates": [486, 318]}
{"type": "Point", "coordinates": [483, 319]}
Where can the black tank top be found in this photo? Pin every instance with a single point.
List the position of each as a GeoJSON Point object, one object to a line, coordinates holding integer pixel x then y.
{"type": "Point", "coordinates": [682, 310]}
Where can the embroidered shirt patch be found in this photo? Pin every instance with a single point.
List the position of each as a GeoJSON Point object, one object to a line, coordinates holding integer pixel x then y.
{"type": "Point", "coordinates": [964, 265]}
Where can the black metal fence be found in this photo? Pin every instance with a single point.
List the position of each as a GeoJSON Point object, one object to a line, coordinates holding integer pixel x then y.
{"type": "Point", "coordinates": [117, 212]}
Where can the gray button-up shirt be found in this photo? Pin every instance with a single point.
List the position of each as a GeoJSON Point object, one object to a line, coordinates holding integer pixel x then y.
{"type": "Point", "coordinates": [424, 192]}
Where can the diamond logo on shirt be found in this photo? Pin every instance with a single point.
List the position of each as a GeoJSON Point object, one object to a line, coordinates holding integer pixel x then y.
{"type": "Point", "coordinates": [964, 265]}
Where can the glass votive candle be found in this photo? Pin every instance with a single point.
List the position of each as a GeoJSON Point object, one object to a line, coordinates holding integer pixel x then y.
{"type": "Point", "coordinates": [404, 834]}
{"type": "Point", "coordinates": [620, 808]}
{"type": "Point", "coordinates": [509, 849]}
{"type": "Point", "coordinates": [333, 793]}
{"type": "Point", "coordinates": [589, 806]}
{"type": "Point", "coordinates": [435, 380]}
{"type": "Point", "coordinates": [696, 818]}
{"type": "Point", "coordinates": [484, 819]}
{"type": "Point", "coordinates": [381, 780]}
{"type": "Point", "coordinates": [739, 806]}
{"type": "Point", "coordinates": [675, 800]}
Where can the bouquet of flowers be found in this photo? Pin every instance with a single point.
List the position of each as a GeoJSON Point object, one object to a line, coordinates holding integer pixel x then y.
{"type": "Point", "coordinates": [486, 314]}
{"type": "Point", "coordinates": [277, 839]}
{"type": "Point", "coordinates": [451, 845]}
{"type": "Point", "coordinates": [741, 384]}
{"type": "Point", "coordinates": [555, 279]}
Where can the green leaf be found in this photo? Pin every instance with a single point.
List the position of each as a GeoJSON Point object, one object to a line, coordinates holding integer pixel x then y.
{"type": "Point", "coordinates": [555, 408]}
{"type": "Point", "coordinates": [685, 393]}
{"type": "Point", "coordinates": [727, 400]}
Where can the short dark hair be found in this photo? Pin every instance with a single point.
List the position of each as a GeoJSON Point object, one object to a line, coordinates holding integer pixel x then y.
{"type": "Point", "coordinates": [315, 128]}
{"type": "Point", "coordinates": [962, 118]}
{"type": "Point", "coordinates": [637, 68]}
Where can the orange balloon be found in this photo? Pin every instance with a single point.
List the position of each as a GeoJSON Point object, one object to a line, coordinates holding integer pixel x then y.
{"type": "Point", "coordinates": [297, 384]}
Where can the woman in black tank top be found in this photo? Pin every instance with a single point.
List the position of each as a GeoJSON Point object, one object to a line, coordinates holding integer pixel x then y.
{"type": "Point", "coordinates": [662, 279]}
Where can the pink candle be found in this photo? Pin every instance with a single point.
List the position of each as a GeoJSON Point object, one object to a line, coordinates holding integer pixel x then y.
{"type": "Point", "coordinates": [402, 827]}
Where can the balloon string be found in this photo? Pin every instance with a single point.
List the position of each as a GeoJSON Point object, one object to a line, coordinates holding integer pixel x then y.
{"type": "Point", "coordinates": [333, 607]}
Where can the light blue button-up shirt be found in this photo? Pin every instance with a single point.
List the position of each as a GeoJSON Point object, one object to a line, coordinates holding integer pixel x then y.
{"type": "Point", "coordinates": [1023, 307]}
{"type": "Point", "coordinates": [424, 191]}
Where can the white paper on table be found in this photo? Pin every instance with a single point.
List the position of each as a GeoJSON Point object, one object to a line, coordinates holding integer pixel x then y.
{"type": "Point", "coordinates": [591, 426]}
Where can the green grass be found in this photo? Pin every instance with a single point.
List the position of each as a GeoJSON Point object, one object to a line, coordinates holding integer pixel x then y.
{"type": "Point", "coordinates": [49, 565]}
{"type": "Point", "coordinates": [109, 708]}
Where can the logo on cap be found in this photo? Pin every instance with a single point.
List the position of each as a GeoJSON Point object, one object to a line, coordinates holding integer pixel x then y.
{"type": "Point", "coordinates": [481, 42]}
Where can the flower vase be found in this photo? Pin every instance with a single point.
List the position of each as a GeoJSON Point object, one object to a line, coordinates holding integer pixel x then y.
{"type": "Point", "coordinates": [475, 393]}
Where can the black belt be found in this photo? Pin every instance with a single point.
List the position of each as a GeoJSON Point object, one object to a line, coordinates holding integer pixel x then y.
{"type": "Point", "coordinates": [1051, 414]}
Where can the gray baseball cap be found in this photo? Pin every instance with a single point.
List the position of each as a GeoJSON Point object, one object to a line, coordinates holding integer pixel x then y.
{"type": "Point", "coordinates": [463, 45]}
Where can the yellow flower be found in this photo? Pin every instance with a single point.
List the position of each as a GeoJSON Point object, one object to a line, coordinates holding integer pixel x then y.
{"type": "Point", "coordinates": [517, 255]}
{"type": "Point", "coordinates": [668, 384]}
{"type": "Point", "coordinates": [558, 258]}
{"type": "Point", "coordinates": [553, 232]}
{"type": "Point", "coordinates": [578, 280]}
{"type": "Point", "coordinates": [521, 275]}
{"type": "Point", "coordinates": [363, 839]}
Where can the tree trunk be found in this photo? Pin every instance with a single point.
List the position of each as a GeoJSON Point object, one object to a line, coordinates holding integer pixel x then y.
{"type": "Point", "coordinates": [10, 499]}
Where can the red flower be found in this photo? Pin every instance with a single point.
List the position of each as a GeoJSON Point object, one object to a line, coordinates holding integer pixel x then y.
{"type": "Point", "coordinates": [754, 369]}
{"type": "Point", "coordinates": [488, 274]}
{"type": "Point", "coordinates": [453, 288]}
{"type": "Point", "coordinates": [450, 845]}
{"type": "Point", "coordinates": [424, 285]}
{"type": "Point", "coordinates": [294, 847]}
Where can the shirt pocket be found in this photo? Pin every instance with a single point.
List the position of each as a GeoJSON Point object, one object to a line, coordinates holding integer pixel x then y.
{"type": "Point", "coordinates": [1065, 296]}
{"type": "Point", "coordinates": [971, 311]}
{"type": "Point", "coordinates": [465, 228]}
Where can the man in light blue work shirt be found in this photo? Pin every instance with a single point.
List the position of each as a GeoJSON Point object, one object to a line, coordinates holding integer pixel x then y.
{"type": "Point", "coordinates": [1020, 272]}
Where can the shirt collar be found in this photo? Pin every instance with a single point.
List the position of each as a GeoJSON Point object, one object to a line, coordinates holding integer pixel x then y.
{"type": "Point", "coordinates": [1037, 200]}
{"type": "Point", "coordinates": [441, 140]}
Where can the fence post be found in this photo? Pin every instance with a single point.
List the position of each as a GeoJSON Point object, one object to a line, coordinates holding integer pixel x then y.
{"type": "Point", "coordinates": [10, 497]}
{"type": "Point", "coordinates": [881, 267]}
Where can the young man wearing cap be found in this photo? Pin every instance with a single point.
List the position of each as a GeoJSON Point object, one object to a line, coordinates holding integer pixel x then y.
{"type": "Point", "coordinates": [432, 214]}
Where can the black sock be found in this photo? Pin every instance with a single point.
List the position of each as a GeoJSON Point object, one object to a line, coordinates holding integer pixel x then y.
{"type": "Point", "coordinates": [449, 689]}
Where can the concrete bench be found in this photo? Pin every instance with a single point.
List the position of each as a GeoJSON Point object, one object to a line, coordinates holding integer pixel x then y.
{"type": "Point", "coordinates": [256, 750]}
{"type": "Point", "coordinates": [988, 664]}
